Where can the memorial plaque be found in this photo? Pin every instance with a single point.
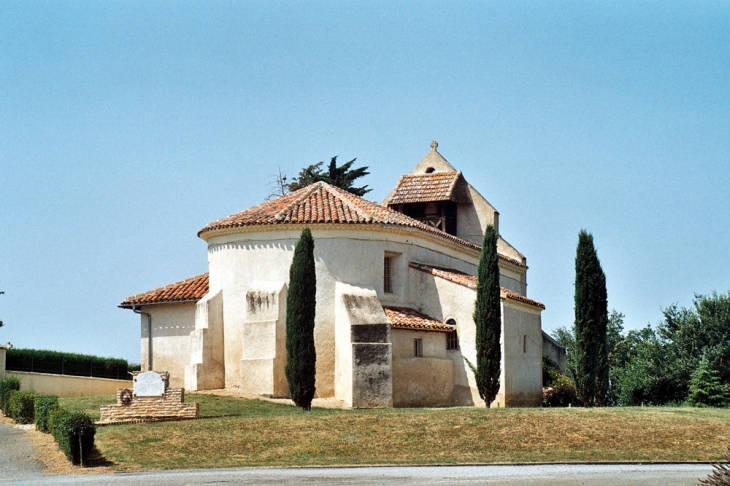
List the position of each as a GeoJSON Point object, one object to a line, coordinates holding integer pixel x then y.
{"type": "Point", "coordinates": [149, 384]}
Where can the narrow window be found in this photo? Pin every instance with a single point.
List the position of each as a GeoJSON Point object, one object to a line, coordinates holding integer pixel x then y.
{"type": "Point", "coordinates": [418, 348]}
{"type": "Point", "coordinates": [387, 275]}
{"type": "Point", "coordinates": [452, 339]}
{"type": "Point", "coordinates": [524, 343]}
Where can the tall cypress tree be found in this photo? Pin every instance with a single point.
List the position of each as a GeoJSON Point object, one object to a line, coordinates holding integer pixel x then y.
{"type": "Point", "coordinates": [300, 307]}
{"type": "Point", "coordinates": [488, 319]}
{"type": "Point", "coordinates": [591, 322]}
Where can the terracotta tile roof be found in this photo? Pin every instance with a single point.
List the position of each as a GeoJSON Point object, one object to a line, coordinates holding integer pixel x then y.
{"type": "Point", "coordinates": [189, 290]}
{"type": "Point", "coordinates": [437, 186]}
{"type": "Point", "coordinates": [407, 318]}
{"type": "Point", "coordinates": [470, 281]}
{"type": "Point", "coordinates": [323, 203]}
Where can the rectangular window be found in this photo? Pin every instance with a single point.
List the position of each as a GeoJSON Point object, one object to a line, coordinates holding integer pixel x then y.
{"type": "Point", "coordinates": [418, 348]}
{"type": "Point", "coordinates": [388, 275]}
{"type": "Point", "coordinates": [452, 341]}
{"type": "Point", "coordinates": [524, 343]}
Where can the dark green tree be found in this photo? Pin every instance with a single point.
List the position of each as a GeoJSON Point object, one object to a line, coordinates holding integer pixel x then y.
{"type": "Point", "coordinates": [705, 389]}
{"type": "Point", "coordinates": [342, 176]}
{"type": "Point", "coordinates": [591, 322]}
{"type": "Point", "coordinates": [488, 319]}
{"type": "Point", "coordinates": [308, 175]}
{"type": "Point", "coordinates": [300, 309]}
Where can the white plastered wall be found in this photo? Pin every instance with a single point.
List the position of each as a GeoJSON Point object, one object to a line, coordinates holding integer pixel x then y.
{"type": "Point", "coordinates": [521, 372]}
{"type": "Point", "coordinates": [264, 340]}
{"type": "Point", "coordinates": [171, 327]}
{"type": "Point", "coordinates": [351, 256]}
{"type": "Point", "coordinates": [522, 349]}
{"type": "Point", "coordinates": [205, 368]}
{"type": "Point", "coordinates": [426, 381]}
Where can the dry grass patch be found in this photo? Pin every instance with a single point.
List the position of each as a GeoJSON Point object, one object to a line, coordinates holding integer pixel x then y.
{"type": "Point", "coordinates": [267, 434]}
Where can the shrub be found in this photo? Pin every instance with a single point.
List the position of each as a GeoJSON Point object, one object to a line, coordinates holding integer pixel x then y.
{"type": "Point", "coordinates": [43, 405]}
{"type": "Point", "coordinates": [561, 395]}
{"type": "Point", "coordinates": [7, 385]}
{"type": "Point", "coordinates": [74, 432]}
{"type": "Point", "coordinates": [20, 406]}
{"type": "Point", "coordinates": [720, 475]}
{"type": "Point", "coordinates": [550, 372]}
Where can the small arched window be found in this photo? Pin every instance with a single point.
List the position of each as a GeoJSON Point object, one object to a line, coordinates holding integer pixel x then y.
{"type": "Point", "coordinates": [452, 339]}
{"type": "Point", "coordinates": [430, 170]}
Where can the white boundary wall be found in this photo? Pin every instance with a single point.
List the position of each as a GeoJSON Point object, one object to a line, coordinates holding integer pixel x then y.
{"type": "Point", "coordinates": [67, 385]}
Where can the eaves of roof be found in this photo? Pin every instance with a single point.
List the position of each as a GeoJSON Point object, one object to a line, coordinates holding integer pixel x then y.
{"type": "Point", "coordinates": [470, 281]}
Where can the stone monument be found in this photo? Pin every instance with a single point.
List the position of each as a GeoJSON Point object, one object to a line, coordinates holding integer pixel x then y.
{"type": "Point", "coordinates": [151, 400]}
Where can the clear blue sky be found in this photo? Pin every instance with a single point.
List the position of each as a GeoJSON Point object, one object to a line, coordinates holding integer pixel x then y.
{"type": "Point", "coordinates": [125, 127]}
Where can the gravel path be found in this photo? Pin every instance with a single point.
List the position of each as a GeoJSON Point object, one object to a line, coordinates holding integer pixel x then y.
{"type": "Point", "coordinates": [17, 456]}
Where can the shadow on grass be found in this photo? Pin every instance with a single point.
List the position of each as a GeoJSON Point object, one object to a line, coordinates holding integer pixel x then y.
{"type": "Point", "coordinates": [97, 459]}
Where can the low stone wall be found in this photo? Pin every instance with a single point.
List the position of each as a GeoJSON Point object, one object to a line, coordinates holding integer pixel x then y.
{"type": "Point", "coordinates": [133, 409]}
{"type": "Point", "coordinates": [67, 385]}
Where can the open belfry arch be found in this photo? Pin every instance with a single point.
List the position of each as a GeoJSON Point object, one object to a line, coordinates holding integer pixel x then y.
{"type": "Point", "coordinates": [395, 296]}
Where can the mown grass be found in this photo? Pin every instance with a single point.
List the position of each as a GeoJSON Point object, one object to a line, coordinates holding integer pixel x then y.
{"type": "Point", "coordinates": [269, 434]}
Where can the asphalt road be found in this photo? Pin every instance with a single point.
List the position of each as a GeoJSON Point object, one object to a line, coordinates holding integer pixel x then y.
{"type": "Point", "coordinates": [566, 475]}
{"type": "Point", "coordinates": [17, 455]}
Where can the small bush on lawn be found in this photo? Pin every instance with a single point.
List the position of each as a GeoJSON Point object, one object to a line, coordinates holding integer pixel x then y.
{"type": "Point", "coordinates": [558, 389]}
{"type": "Point", "coordinates": [560, 395]}
{"type": "Point", "coordinates": [74, 432]}
{"type": "Point", "coordinates": [7, 385]}
{"type": "Point", "coordinates": [43, 405]}
{"type": "Point", "coordinates": [20, 406]}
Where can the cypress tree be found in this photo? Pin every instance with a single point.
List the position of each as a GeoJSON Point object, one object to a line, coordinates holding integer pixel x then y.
{"type": "Point", "coordinates": [488, 319]}
{"type": "Point", "coordinates": [591, 323]}
{"type": "Point", "coordinates": [300, 307]}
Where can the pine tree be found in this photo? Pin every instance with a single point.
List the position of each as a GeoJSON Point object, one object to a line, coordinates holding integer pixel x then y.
{"type": "Point", "coordinates": [705, 389]}
{"type": "Point", "coordinates": [591, 322]}
{"type": "Point", "coordinates": [488, 319]}
{"type": "Point", "coordinates": [300, 309]}
{"type": "Point", "coordinates": [342, 177]}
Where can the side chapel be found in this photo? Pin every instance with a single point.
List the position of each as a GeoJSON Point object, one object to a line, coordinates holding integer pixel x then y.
{"type": "Point", "coordinates": [395, 296]}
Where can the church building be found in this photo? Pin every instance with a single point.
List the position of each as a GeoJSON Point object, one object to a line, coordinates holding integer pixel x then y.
{"type": "Point", "coordinates": [395, 295]}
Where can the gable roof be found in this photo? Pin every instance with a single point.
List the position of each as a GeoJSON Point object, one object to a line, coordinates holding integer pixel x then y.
{"type": "Point", "coordinates": [436, 186]}
{"type": "Point", "coordinates": [189, 290]}
{"type": "Point", "coordinates": [470, 281]}
{"type": "Point", "coordinates": [322, 203]}
{"type": "Point", "coordinates": [407, 318]}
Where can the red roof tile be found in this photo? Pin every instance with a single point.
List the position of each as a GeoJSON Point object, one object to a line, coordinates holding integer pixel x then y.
{"type": "Point", "coordinates": [437, 186]}
{"type": "Point", "coordinates": [470, 281]}
{"type": "Point", "coordinates": [322, 203]}
{"type": "Point", "coordinates": [407, 318]}
{"type": "Point", "coordinates": [189, 290]}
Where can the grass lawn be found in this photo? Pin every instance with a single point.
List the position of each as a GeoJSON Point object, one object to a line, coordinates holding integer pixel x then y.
{"type": "Point", "coordinates": [269, 434]}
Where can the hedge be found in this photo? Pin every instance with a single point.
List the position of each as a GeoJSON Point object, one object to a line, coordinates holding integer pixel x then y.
{"type": "Point", "coordinates": [20, 406]}
{"type": "Point", "coordinates": [55, 362]}
{"type": "Point", "coordinates": [7, 385]}
{"type": "Point", "coordinates": [74, 432]}
{"type": "Point", "coordinates": [43, 405]}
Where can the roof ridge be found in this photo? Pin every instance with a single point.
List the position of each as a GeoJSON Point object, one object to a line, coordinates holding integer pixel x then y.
{"type": "Point", "coordinates": [306, 193]}
{"type": "Point", "coordinates": [455, 181]}
{"type": "Point", "coordinates": [342, 194]}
